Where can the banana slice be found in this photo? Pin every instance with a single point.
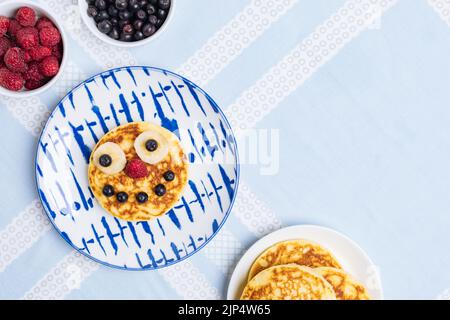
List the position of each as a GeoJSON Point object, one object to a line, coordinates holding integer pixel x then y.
{"type": "Point", "coordinates": [110, 158]}
{"type": "Point", "coordinates": [151, 147]}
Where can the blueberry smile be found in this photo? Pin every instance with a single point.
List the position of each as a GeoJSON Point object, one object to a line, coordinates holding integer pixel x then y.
{"type": "Point", "coordinates": [108, 190]}
{"type": "Point", "coordinates": [141, 197]}
{"type": "Point", "coordinates": [122, 197]}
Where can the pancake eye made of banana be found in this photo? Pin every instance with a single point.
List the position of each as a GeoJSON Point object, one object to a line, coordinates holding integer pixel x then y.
{"type": "Point", "coordinates": [151, 147]}
{"type": "Point", "coordinates": [110, 158]}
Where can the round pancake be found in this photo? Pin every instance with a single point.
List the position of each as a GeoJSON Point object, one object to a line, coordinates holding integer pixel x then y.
{"type": "Point", "coordinates": [345, 287]}
{"type": "Point", "coordinates": [301, 252]}
{"type": "Point", "coordinates": [288, 282]}
{"type": "Point", "coordinates": [131, 210]}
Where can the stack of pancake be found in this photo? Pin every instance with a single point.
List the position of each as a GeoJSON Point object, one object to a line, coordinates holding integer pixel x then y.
{"type": "Point", "coordinates": [300, 270]}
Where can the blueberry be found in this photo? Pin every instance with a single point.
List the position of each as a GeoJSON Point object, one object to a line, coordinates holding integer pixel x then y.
{"type": "Point", "coordinates": [105, 160]}
{"type": "Point", "coordinates": [153, 19]}
{"type": "Point", "coordinates": [121, 5]}
{"type": "Point", "coordinates": [159, 23]}
{"type": "Point", "coordinates": [141, 14]}
{"type": "Point", "coordinates": [153, 2]}
{"type": "Point", "coordinates": [138, 36]}
{"type": "Point", "coordinates": [92, 11]}
{"type": "Point", "coordinates": [102, 15]}
{"type": "Point", "coordinates": [125, 15]}
{"type": "Point", "coordinates": [151, 145]}
{"type": "Point", "coordinates": [126, 37]}
{"type": "Point", "coordinates": [150, 9]}
{"type": "Point", "coordinates": [114, 21]}
{"type": "Point", "coordinates": [160, 190]}
{"type": "Point", "coordinates": [142, 197]}
{"type": "Point", "coordinates": [134, 7]}
{"type": "Point", "coordinates": [114, 34]}
{"type": "Point", "coordinates": [148, 29]}
{"type": "Point", "coordinates": [112, 11]}
{"type": "Point", "coordinates": [100, 4]}
{"type": "Point", "coordinates": [142, 3]}
{"type": "Point", "coordinates": [105, 27]}
{"type": "Point", "coordinates": [161, 13]}
{"type": "Point", "coordinates": [122, 23]}
{"type": "Point", "coordinates": [138, 25]}
{"type": "Point", "coordinates": [108, 190]}
{"type": "Point", "coordinates": [122, 197]}
{"type": "Point", "coordinates": [164, 4]}
{"type": "Point", "coordinates": [169, 175]}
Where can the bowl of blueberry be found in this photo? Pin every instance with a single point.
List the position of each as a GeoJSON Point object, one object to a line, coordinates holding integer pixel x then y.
{"type": "Point", "coordinates": [126, 23]}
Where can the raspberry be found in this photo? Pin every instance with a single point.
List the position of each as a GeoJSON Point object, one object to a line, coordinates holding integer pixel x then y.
{"type": "Point", "coordinates": [49, 36]}
{"type": "Point", "coordinates": [27, 37]}
{"type": "Point", "coordinates": [33, 84]}
{"type": "Point", "coordinates": [4, 25]}
{"type": "Point", "coordinates": [5, 44]}
{"type": "Point", "coordinates": [26, 17]}
{"type": "Point", "coordinates": [44, 22]}
{"type": "Point", "coordinates": [33, 72]}
{"type": "Point", "coordinates": [136, 169]}
{"type": "Point", "coordinates": [27, 57]}
{"type": "Point", "coordinates": [10, 80]}
{"type": "Point", "coordinates": [15, 60]}
{"type": "Point", "coordinates": [14, 27]}
{"type": "Point", "coordinates": [49, 66]}
{"type": "Point", "coordinates": [57, 52]}
{"type": "Point", "coordinates": [39, 53]}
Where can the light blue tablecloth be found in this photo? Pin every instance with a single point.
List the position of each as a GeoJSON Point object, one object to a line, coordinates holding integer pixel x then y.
{"type": "Point", "coordinates": [364, 126]}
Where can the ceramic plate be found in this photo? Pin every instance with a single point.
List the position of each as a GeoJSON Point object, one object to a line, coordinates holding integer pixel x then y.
{"type": "Point", "coordinates": [352, 258]}
{"type": "Point", "coordinates": [104, 102]}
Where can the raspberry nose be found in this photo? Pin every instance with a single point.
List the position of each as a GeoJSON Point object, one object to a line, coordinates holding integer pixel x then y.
{"type": "Point", "coordinates": [136, 169]}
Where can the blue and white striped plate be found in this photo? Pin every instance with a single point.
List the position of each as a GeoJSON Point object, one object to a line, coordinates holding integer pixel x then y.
{"type": "Point", "coordinates": [104, 102]}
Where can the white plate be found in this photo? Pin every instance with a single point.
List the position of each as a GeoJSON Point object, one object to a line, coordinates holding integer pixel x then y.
{"type": "Point", "coordinates": [352, 258]}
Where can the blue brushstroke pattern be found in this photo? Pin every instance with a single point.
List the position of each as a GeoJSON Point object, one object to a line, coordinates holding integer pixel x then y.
{"type": "Point", "coordinates": [173, 217]}
{"type": "Point", "coordinates": [80, 141]}
{"type": "Point", "coordinates": [110, 235]}
{"type": "Point", "coordinates": [169, 124]}
{"type": "Point", "coordinates": [147, 229]}
{"type": "Point", "coordinates": [194, 94]}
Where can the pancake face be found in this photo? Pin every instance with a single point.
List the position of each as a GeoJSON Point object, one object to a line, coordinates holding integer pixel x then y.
{"type": "Point", "coordinates": [300, 252]}
{"type": "Point", "coordinates": [168, 156]}
{"type": "Point", "coordinates": [288, 282]}
{"type": "Point", "coordinates": [345, 287]}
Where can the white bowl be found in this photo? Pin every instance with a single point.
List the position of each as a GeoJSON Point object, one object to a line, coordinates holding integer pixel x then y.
{"type": "Point", "coordinates": [83, 6]}
{"type": "Point", "coordinates": [8, 9]}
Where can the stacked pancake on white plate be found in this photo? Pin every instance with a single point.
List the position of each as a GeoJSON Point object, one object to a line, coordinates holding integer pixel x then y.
{"type": "Point", "coordinates": [300, 270]}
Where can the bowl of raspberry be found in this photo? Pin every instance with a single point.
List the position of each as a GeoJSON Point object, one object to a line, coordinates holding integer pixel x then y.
{"type": "Point", "coordinates": [32, 54]}
{"type": "Point", "coordinates": [126, 23]}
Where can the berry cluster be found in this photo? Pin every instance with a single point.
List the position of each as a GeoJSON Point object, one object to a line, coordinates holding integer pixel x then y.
{"type": "Point", "coordinates": [128, 20]}
{"type": "Point", "coordinates": [30, 50]}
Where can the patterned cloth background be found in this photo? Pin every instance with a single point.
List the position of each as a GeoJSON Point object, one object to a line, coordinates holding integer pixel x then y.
{"type": "Point", "coordinates": [359, 93]}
